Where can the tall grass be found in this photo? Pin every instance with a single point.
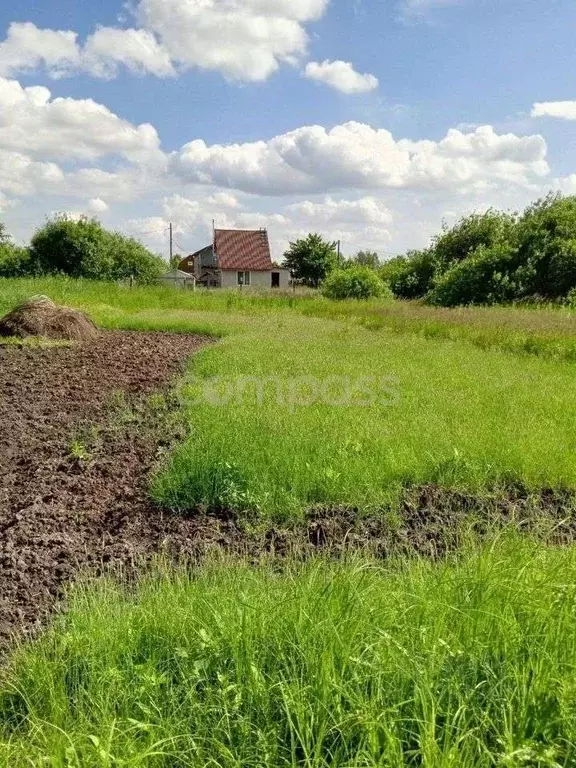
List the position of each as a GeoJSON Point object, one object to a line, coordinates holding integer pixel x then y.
{"type": "Point", "coordinates": [464, 664]}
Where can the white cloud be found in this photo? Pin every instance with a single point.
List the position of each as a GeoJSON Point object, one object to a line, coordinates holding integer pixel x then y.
{"type": "Point", "coordinates": [28, 48]}
{"type": "Point", "coordinates": [243, 39]}
{"type": "Point", "coordinates": [565, 110]}
{"type": "Point", "coordinates": [341, 75]}
{"type": "Point", "coordinates": [97, 205]}
{"type": "Point", "coordinates": [366, 210]}
{"type": "Point", "coordinates": [356, 156]}
{"type": "Point", "coordinates": [137, 49]}
{"type": "Point", "coordinates": [34, 123]}
{"type": "Point", "coordinates": [21, 175]}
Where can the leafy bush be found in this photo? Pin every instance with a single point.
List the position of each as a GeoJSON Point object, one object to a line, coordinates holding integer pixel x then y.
{"type": "Point", "coordinates": [354, 283]}
{"type": "Point", "coordinates": [14, 260]}
{"type": "Point", "coordinates": [463, 239]}
{"type": "Point", "coordinates": [410, 276]}
{"type": "Point", "coordinates": [484, 278]}
{"type": "Point", "coordinates": [85, 249]}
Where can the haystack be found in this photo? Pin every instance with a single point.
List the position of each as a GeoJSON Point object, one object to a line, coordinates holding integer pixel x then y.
{"type": "Point", "coordinates": [39, 316]}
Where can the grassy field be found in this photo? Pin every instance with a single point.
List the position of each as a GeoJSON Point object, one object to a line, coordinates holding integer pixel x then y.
{"type": "Point", "coordinates": [465, 664]}
{"type": "Point", "coordinates": [301, 404]}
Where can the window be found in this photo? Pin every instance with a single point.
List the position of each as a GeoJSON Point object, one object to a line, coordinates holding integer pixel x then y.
{"type": "Point", "coordinates": [275, 279]}
{"type": "Point", "coordinates": [243, 278]}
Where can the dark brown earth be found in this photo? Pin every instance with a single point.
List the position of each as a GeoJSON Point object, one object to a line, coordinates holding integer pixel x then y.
{"type": "Point", "coordinates": [76, 455]}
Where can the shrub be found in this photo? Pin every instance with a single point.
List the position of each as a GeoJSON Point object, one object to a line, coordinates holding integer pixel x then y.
{"type": "Point", "coordinates": [85, 249]}
{"type": "Point", "coordinates": [410, 276]}
{"type": "Point", "coordinates": [486, 277]}
{"type": "Point", "coordinates": [14, 260]}
{"type": "Point", "coordinates": [354, 283]}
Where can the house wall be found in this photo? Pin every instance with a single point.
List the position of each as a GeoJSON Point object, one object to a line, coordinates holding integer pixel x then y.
{"type": "Point", "coordinates": [257, 279]}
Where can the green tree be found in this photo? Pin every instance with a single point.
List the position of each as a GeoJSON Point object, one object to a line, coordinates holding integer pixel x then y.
{"type": "Point", "coordinates": [14, 260]}
{"type": "Point", "coordinates": [83, 248]}
{"type": "Point", "coordinates": [410, 276]}
{"type": "Point", "coordinates": [546, 237]}
{"type": "Point", "coordinates": [469, 233]}
{"type": "Point", "coordinates": [365, 259]}
{"type": "Point", "coordinates": [354, 282]}
{"type": "Point", "coordinates": [311, 259]}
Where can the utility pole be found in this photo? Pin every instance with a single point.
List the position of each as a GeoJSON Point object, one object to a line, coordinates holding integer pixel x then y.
{"type": "Point", "coordinates": [171, 245]}
{"type": "Point", "coordinates": [338, 252]}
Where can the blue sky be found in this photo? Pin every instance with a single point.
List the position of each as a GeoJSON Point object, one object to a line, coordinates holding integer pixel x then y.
{"type": "Point", "coordinates": [368, 120]}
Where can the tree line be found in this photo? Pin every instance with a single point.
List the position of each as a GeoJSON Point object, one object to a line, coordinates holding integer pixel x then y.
{"type": "Point", "coordinates": [79, 248]}
{"type": "Point", "coordinates": [494, 257]}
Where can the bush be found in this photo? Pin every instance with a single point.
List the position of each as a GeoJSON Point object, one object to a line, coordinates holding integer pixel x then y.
{"type": "Point", "coordinates": [14, 260]}
{"type": "Point", "coordinates": [85, 249]}
{"type": "Point", "coordinates": [410, 276]}
{"type": "Point", "coordinates": [484, 278]}
{"type": "Point", "coordinates": [354, 283]}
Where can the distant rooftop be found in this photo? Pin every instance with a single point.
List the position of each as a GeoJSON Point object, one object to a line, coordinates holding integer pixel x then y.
{"type": "Point", "coordinates": [247, 249]}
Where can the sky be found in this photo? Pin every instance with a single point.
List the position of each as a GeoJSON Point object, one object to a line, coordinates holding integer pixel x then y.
{"type": "Point", "coordinates": [369, 121]}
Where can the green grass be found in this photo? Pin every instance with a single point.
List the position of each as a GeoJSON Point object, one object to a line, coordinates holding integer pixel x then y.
{"type": "Point", "coordinates": [462, 664]}
{"type": "Point", "coordinates": [450, 410]}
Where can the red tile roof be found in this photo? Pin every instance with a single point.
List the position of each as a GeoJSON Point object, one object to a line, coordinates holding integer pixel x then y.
{"type": "Point", "coordinates": [243, 249]}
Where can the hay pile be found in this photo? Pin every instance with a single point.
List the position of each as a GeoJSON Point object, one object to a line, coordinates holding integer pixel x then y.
{"type": "Point", "coordinates": [39, 316]}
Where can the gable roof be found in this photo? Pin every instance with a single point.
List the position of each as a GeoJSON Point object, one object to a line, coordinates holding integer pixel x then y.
{"type": "Point", "coordinates": [243, 249]}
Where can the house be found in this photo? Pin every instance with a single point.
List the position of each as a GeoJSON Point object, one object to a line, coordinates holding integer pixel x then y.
{"type": "Point", "coordinates": [176, 278]}
{"type": "Point", "coordinates": [236, 258]}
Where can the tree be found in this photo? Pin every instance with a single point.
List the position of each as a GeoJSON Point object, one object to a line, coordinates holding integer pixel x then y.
{"type": "Point", "coordinates": [310, 259]}
{"type": "Point", "coordinates": [469, 233]}
{"type": "Point", "coordinates": [354, 283]}
{"type": "Point", "coordinates": [14, 260]}
{"type": "Point", "coordinates": [83, 248]}
{"type": "Point", "coordinates": [366, 259]}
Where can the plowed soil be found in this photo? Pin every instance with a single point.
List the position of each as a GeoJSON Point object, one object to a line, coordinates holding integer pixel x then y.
{"type": "Point", "coordinates": [60, 512]}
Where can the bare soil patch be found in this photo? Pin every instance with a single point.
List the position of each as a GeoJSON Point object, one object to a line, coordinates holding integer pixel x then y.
{"type": "Point", "coordinates": [60, 512]}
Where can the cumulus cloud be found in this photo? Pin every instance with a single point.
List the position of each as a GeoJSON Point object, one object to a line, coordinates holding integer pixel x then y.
{"type": "Point", "coordinates": [243, 39]}
{"type": "Point", "coordinates": [565, 110]}
{"type": "Point", "coordinates": [366, 210]}
{"type": "Point", "coordinates": [34, 123]}
{"type": "Point", "coordinates": [357, 156]}
{"type": "Point", "coordinates": [28, 48]}
{"type": "Point", "coordinates": [137, 49]}
{"type": "Point", "coordinates": [341, 76]}
{"type": "Point", "coordinates": [21, 175]}
{"type": "Point", "coordinates": [97, 205]}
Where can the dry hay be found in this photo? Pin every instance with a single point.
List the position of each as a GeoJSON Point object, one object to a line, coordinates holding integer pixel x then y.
{"type": "Point", "coordinates": [39, 316]}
